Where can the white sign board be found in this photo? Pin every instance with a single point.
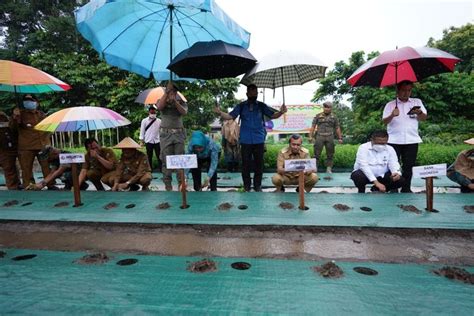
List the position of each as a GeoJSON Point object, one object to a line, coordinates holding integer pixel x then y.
{"type": "Point", "coordinates": [429, 171]}
{"type": "Point", "coordinates": [181, 162]}
{"type": "Point", "coordinates": [300, 165]}
{"type": "Point", "coordinates": [71, 158]}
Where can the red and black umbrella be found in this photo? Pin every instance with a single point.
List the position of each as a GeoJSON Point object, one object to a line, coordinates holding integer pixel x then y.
{"type": "Point", "coordinates": [406, 63]}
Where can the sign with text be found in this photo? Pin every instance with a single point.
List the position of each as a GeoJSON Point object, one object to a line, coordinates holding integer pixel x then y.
{"type": "Point", "coordinates": [300, 165]}
{"type": "Point", "coordinates": [298, 119]}
{"type": "Point", "coordinates": [429, 171]}
{"type": "Point", "coordinates": [71, 158]}
{"type": "Point", "coordinates": [181, 162]}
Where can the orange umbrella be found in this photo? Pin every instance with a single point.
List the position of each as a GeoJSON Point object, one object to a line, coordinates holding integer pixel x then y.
{"type": "Point", "coordinates": [151, 96]}
{"type": "Point", "coordinates": [16, 77]}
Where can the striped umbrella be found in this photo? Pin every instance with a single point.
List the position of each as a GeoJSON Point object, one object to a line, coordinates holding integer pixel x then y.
{"type": "Point", "coordinates": [151, 96]}
{"type": "Point", "coordinates": [80, 119]}
{"type": "Point", "coordinates": [19, 78]}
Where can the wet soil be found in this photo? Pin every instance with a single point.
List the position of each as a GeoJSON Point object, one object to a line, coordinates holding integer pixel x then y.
{"type": "Point", "coordinates": [225, 206]}
{"type": "Point", "coordinates": [342, 207]}
{"type": "Point", "coordinates": [455, 273]}
{"type": "Point", "coordinates": [61, 204]}
{"type": "Point", "coordinates": [409, 208]}
{"type": "Point", "coordinates": [110, 205]}
{"type": "Point", "coordinates": [202, 266]}
{"type": "Point", "coordinates": [328, 178]}
{"type": "Point", "coordinates": [469, 209]}
{"type": "Point", "coordinates": [286, 205]}
{"type": "Point", "coordinates": [10, 203]}
{"type": "Point", "coordinates": [163, 206]}
{"type": "Point", "coordinates": [365, 209]}
{"type": "Point", "coordinates": [95, 258]}
{"type": "Point", "coordinates": [329, 270]}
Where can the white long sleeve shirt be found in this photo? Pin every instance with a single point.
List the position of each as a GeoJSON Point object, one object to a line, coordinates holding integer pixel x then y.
{"type": "Point", "coordinates": [403, 129]}
{"type": "Point", "coordinates": [375, 164]}
{"type": "Point", "coordinates": [152, 134]}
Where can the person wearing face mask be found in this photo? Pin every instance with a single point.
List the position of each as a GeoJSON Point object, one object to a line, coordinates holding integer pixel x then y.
{"type": "Point", "coordinates": [252, 134]}
{"type": "Point", "coordinates": [150, 136]}
{"type": "Point", "coordinates": [402, 116]}
{"type": "Point", "coordinates": [30, 141]}
{"type": "Point", "coordinates": [377, 163]}
{"type": "Point", "coordinates": [462, 170]}
{"type": "Point", "coordinates": [9, 153]}
{"type": "Point", "coordinates": [132, 169]}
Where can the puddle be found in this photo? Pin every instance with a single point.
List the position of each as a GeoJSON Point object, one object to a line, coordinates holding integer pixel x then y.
{"type": "Point", "coordinates": [409, 208]}
{"type": "Point", "coordinates": [202, 266]}
{"type": "Point", "coordinates": [10, 203]}
{"type": "Point", "coordinates": [127, 262]}
{"type": "Point", "coordinates": [365, 270]}
{"type": "Point", "coordinates": [111, 205]}
{"type": "Point", "coordinates": [329, 270]}
{"type": "Point", "coordinates": [242, 207]}
{"type": "Point", "coordinates": [61, 204]}
{"type": "Point", "coordinates": [365, 209]}
{"type": "Point", "coordinates": [342, 207]}
{"type": "Point", "coordinates": [95, 258]}
{"type": "Point", "coordinates": [455, 273]}
{"type": "Point", "coordinates": [24, 257]}
{"type": "Point", "coordinates": [286, 205]}
{"type": "Point", "coordinates": [469, 209]}
{"type": "Point", "coordinates": [163, 206]}
{"type": "Point", "coordinates": [241, 265]}
{"type": "Point", "coordinates": [225, 206]}
{"type": "Point", "coordinates": [130, 205]}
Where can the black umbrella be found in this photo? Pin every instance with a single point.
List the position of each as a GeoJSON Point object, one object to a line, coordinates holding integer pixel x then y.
{"type": "Point", "coordinates": [212, 60]}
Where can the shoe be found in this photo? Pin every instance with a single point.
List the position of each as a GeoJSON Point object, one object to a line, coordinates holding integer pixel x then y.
{"type": "Point", "coordinates": [258, 189]}
{"type": "Point", "coordinates": [145, 188]}
{"type": "Point", "coordinates": [246, 189]}
{"type": "Point", "coordinates": [406, 191]}
{"type": "Point", "coordinates": [134, 187]}
{"type": "Point", "coordinates": [374, 189]}
{"type": "Point", "coordinates": [297, 189]}
{"type": "Point", "coordinates": [393, 191]}
{"type": "Point", "coordinates": [168, 187]}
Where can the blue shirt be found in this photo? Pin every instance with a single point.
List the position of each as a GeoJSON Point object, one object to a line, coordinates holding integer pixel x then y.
{"type": "Point", "coordinates": [252, 124]}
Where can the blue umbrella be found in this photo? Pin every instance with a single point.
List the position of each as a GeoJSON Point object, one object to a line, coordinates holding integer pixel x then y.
{"type": "Point", "coordinates": [143, 36]}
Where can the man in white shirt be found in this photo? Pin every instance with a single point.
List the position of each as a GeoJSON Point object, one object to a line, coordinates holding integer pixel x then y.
{"type": "Point", "coordinates": [402, 116]}
{"type": "Point", "coordinates": [150, 136]}
{"type": "Point", "coordinates": [377, 163]}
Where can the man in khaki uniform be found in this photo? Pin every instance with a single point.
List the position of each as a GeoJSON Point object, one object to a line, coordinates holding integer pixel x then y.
{"type": "Point", "coordinates": [97, 162]}
{"type": "Point", "coordinates": [172, 132]}
{"type": "Point", "coordinates": [132, 170]}
{"type": "Point", "coordinates": [323, 127]}
{"type": "Point", "coordinates": [293, 151]}
{"type": "Point", "coordinates": [30, 141]}
{"type": "Point", "coordinates": [8, 153]}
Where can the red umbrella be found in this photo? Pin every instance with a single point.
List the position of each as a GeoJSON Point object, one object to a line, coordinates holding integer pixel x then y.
{"type": "Point", "coordinates": [406, 63]}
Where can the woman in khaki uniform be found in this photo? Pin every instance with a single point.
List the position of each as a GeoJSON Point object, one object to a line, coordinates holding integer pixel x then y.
{"type": "Point", "coordinates": [30, 141]}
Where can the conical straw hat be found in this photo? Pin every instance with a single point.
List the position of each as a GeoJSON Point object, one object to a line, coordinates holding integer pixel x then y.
{"type": "Point", "coordinates": [470, 141]}
{"type": "Point", "coordinates": [127, 143]}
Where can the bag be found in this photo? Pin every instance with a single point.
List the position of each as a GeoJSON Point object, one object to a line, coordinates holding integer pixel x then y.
{"type": "Point", "coordinates": [231, 131]}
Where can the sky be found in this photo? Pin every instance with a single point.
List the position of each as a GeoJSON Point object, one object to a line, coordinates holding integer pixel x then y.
{"type": "Point", "coordinates": [332, 30]}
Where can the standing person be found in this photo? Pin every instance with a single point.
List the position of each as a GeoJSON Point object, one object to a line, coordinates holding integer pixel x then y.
{"type": "Point", "coordinates": [150, 136]}
{"type": "Point", "coordinates": [462, 170]}
{"type": "Point", "coordinates": [377, 163]}
{"type": "Point", "coordinates": [172, 132]}
{"type": "Point", "coordinates": [98, 161]}
{"type": "Point", "coordinates": [252, 134]}
{"type": "Point", "coordinates": [323, 127]}
{"type": "Point", "coordinates": [402, 116]}
{"type": "Point", "coordinates": [9, 152]}
{"type": "Point", "coordinates": [230, 144]}
{"type": "Point", "coordinates": [293, 151]}
{"type": "Point", "coordinates": [30, 141]}
{"type": "Point", "coordinates": [208, 153]}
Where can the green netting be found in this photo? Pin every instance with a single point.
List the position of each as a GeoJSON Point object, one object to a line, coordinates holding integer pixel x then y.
{"type": "Point", "coordinates": [52, 284]}
{"type": "Point", "coordinates": [263, 209]}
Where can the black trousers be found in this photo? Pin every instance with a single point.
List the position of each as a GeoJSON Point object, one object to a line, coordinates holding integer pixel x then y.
{"type": "Point", "coordinates": [196, 173]}
{"type": "Point", "coordinates": [252, 153]}
{"type": "Point", "coordinates": [150, 148]}
{"type": "Point", "coordinates": [407, 156]}
{"type": "Point", "coordinates": [361, 180]}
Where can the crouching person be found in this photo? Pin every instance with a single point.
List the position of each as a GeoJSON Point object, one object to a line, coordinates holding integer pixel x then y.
{"type": "Point", "coordinates": [377, 163]}
{"type": "Point", "coordinates": [98, 161]}
{"type": "Point", "coordinates": [293, 151]}
{"type": "Point", "coordinates": [462, 170]}
{"type": "Point", "coordinates": [132, 170]}
{"type": "Point", "coordinates": [208, 153]}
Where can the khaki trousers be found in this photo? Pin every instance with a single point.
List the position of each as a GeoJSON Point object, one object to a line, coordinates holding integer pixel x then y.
{"type": "Point", "coordinates": [309, 181]}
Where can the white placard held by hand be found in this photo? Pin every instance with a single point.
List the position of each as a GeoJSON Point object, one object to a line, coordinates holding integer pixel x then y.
{"type": "Point", "coordinates": [429, 171]}
{"type": "Point", "coordinates": [300, 165]}
{"type": "Point", "coordinates": [71, 158]}
{"type": "Point", "coordinates": [181, 162]}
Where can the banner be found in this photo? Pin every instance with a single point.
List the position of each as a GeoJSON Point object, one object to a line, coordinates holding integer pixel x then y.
{"type": "Point", "coordinates": [297, 120]}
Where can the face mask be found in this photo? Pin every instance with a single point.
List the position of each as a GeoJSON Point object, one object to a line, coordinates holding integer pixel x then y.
{"type": "Point", "coordinates": [152, 116]}
{"type": "Point", "coordinates": [29, 105]}
{"type": "Point", "coordinates": [379, 148]}
{"type": "Point", "coordinates": [5, 124]}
